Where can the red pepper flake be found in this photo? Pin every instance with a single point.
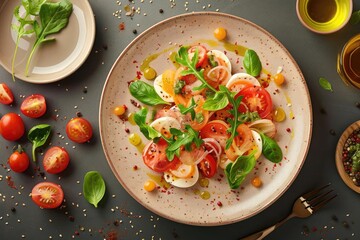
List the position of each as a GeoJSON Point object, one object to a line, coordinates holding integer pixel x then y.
{"type": "Point", "coordinates": [265, 84]}
{"type": "Point", "coordinates": [138, 74]}
{"type": "Point", "coordinates": [111, 235]}
{"type": "Point", "coordinates": [122, 26]}
{"type": "Point", "coordinates": [135, 167]}
{"type": "Point", "coordinates": [136, 104]}
{"type": "Point", "coordinates": [219, 204]}
{"type": "Point", "coordinates": [288, 130]}
{"type": "Point", "coordinates": [10, 182]}
{"type": "Point", "coordinates": [127, 130]}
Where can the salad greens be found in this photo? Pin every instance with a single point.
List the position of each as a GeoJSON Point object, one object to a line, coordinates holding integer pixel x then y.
{"type": "Point", "coordinates": [53, 17]}
{"type": "Point", "coordinates": [94, 187]}
{"type": "Point", "coordinates": [271, 149]}
{"type": "Point", "coordinates": [38, 136]}
{"type": "Point", "coordinates": [148, 131]}
{"type": "Point", "coordinates": [252, 63]}
{"type": "Point", "coordinates": [25, 24]}
{"type": "Point", "coordinates": [145, 93]}
{"type": "Point", "coordinates": [237, 171]}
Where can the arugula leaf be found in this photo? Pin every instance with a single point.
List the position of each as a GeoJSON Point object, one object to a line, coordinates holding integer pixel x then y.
{"type": "Point", "coordinates": [94, 187]}
{"type": "Point", "coordinates": [325, 84]}
{"type": "Point", "coordinates": [234, 123]}
{"type": "Point", "coordinates": [271, 149]}
{"type": "Point", "coordinates": [252, 63]}
{"type": "Point", "coordinates": [184, 110]}
{"type": "Point", "coordinates": [53, 17]}
{"type": "Point", "coordinates": [145, 93]}
{"type": "Point", "coordinates": [181, 138]}
{"type": "Point", "coordinates": [237, 171]}
{"type": "Point", "coordinates": [183, 59]}
{"type": "Point", "coordinates": [25, 24]}
{"type": "Point", "coordinates": [140, 120]}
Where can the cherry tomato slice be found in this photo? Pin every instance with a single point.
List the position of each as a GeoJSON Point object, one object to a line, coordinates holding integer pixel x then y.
{"type": "Point", "coordinates": [216, 129]}
{"type": "Point", "coordinates": [56, 160]}
{"type": "Point", "coordinates": [19, 161]}
{"type": "Point", "coordinates": [154, 156]}
{"type": "Point", "coordinates": [256, 99]}
{"type": "Point", "coordinates": [79, 130]}
{"type": "Point", "coordinates": [47, 195]}
{"type": "Point", "coordinates": [34, 106]}
{"type": "Point", "coordinates": [12, 127]}
{"type": "Point", "coordinates": [6, 96]}
{"type": "Point", "coordinates": [208, 166]}
{"type": "Point", "coordinates": [202, 54]}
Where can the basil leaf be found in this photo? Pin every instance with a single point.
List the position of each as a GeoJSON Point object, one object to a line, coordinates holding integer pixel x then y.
{"type": "Point", "coordinates": [145, 93]}
{"type": "Point", "coordinates": [252, 63]}
{"type": "Point", "coordinates": [54, 16]}
{"type": "Point", "coordinates": [237, 171]}
{"type": "Point", "coordinates": [325, 84]}
{"type": "Point", "coordinates": [38, 135]}
{"type": "Point", "coordinates": [93, 187]}
{"type": "Point", "coordinates": [218, 102]}
{"type": "Point", "coordinates": [271, 149]}
{"type": "Point", "coordinates": [140, 120]}
{"type": "Point", "coordinates": [355, 17]}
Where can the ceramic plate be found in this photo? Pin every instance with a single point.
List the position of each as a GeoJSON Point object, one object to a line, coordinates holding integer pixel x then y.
{"type": "Point", "coordinates": [52, 61]}
{"type": "Point", "coordinates": [155, 47]}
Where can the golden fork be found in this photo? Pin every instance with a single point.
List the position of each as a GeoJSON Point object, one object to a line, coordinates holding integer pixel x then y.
{"type": "Point", "coordinates": [304, 206]}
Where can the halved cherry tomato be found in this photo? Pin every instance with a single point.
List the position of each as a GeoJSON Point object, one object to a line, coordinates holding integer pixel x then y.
{"type": "Point", "coordinates": [6, 96]}
{"type": "Point", "coordinates": [12, 127]}
{"type": "Point", "coordinates": [34, 106]}
{"type": "Point", "coordinates": [208, 166]}
{"type": "Point", "coordinates": [216, 129]}
{"type": "Point", "coordinates": [202, 54]}
{"type": "Point", "coordinates": [56, 160]}
{"type": "Point", "coordinates": [79, 130]}
{"type": "Point", "coordinates": [47, 195]}
{"type": "Point", "coordinates": [154, 156]}
{"type": "Point", "coordinates": [257, 99]}
{"type": "Point", "coordinates": [19, 160]}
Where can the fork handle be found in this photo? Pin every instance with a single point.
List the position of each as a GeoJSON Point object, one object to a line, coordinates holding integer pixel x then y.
{"type": "Point", "coordinates": [263, 233]}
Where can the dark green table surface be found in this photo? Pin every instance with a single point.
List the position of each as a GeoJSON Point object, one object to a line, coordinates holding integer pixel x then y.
{"type": "Point", "coordinates": [119, 214]}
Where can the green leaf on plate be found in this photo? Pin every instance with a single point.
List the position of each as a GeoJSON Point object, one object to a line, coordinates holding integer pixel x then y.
{"type": "Point", "coordinates": [325, 84]}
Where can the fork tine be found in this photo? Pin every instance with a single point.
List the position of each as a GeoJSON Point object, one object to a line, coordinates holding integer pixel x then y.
{"type": "Point", "coordinates": [318, 198]}
{"type": "Point", "coordinates": [311, 194]}
{"type": "Point", "coordinates": [322, 203]}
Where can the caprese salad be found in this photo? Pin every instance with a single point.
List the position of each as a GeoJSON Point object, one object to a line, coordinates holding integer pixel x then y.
{"type": "Point", "coordinates": [207, 118]}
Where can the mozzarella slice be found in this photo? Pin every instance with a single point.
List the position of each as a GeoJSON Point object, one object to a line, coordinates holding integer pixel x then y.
{"type": "Point", "coordinates": [182, 182]}
{"type": "Point", "coordinates": [164, 124]}
{"type": "Point", "coordinates": [239, 80]}
{"type": "Point", "coordinates": [221, 55]}
{"type": "Point", "coordinates": [158, 86]}
{"type": "Point", "coordinates": [258, 144]}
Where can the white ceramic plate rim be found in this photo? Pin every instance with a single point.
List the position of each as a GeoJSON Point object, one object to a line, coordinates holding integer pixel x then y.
{"type": "Point", "coordinates": [301, 156]}
{"type": "Point", "coordinates": [76, 58]}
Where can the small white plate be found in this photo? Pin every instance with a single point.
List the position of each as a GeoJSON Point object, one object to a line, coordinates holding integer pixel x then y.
{"type": "Point", "coordinates": [156, 47]}
{"type": "Point", "coordinates": [54, 60]}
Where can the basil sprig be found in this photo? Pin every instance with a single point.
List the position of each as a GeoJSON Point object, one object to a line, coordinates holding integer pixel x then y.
{"type": "Point", "coordinates": [94, 187]}
{"type": "Point", "coordinates": [252, 63]}
{"type": "Point", "coordinates": [148, 131]}
{"type": "Point", "coordinates": [54, 16]}
{"type": "Point", "coordinates": [145, 93]}
{"type": "Point", "coordinates": [38, 135]}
